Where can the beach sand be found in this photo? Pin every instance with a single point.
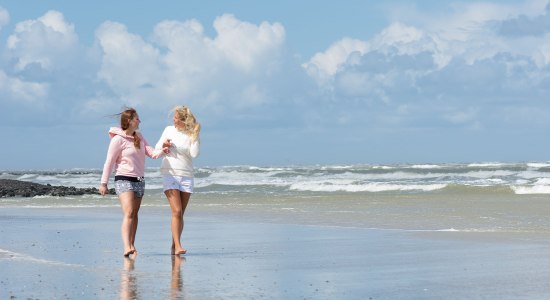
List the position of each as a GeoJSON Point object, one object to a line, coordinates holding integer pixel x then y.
{"type": "Point", "coordinates": [76, 253]}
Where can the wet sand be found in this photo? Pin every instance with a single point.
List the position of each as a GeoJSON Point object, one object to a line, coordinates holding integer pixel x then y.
{"type": "Point", "coordinates": [76, 253]}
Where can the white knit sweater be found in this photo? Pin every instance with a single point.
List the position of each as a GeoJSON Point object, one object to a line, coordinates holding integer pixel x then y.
{"type": "Point", "coordinates": [179, 161]}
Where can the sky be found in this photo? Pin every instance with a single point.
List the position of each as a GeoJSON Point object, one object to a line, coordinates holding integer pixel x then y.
{"type": "Point", "coordinates": [278, 82]}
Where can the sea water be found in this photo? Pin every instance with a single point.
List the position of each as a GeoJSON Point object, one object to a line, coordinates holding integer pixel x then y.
{"type": "Point", "coordinates": [495, 197]}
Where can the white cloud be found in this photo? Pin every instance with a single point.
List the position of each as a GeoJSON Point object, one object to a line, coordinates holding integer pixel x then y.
{"type": "Point", "coordinates": [48, 41]}
{"type": "Point", "coordinates": [4, 17]}
{"type": "Point", "coordinates": [396, 40]}
{"type": "Point", "coordinates": [398, 34]}
{"type": "Point", "coordinates": [182, 63]}
{"type": "Point", "coordinates": [46, 72]}
{"type": "Point", "coordinates": [460, 19]}
{"type": "Point", "coordinates": [245, 44]}
{"type": "Point", "coordinates": [189, 60]}
{"type": "Point", "coordinates": [129, 65]}
{"type": "Point", "coordinates": [475, 66]}
{"type": "Point", "coordinates": [188, 49]}
{"type": "Point", "coordinates": [457, 71]}
{"type": "Point", "coordinates": [45, 67]}
{"type": "Point", "coordinates": [325, 64]}
{"type": "Point", "coordinates": [436, 71]}
{"type": "Point", "coordinates": [16, 90]}
{"type": "Point", "coordinates": [472, 30]}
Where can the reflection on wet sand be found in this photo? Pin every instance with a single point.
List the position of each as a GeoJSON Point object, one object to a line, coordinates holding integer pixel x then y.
{"type": "Point", "coordinates": [128, 285]}
{"type": "Point", "coordinates": [177, 280]}
{"type": "Point", "coordinates": [129, 282]}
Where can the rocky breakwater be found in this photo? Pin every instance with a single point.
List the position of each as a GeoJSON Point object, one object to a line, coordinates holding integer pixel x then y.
{"type": "Point", "coordinates": [17, 188]}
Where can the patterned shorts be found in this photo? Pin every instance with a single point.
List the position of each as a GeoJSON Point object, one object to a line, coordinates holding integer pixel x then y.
{"type": "Point", "coordinates": [123, 186]}
{"type": "Point", "coordinates": [181, 183]}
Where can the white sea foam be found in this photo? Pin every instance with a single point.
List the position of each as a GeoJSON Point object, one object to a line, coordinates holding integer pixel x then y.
{"type": "Point", "coordinates": [448, 230]}
{"type": "Point", "coordinates": [383, 167]}
{"type": "Point", "coordinates": [426, 166]}
{"type": "Point", "coordinates": [539, 186]}
{"type": "Point", "coordinates": [532, 174]}
{"type": "Point", "coordinates": [487, 174]}
{"type": "Point", "coordinates": [538, 165]}
{"type": "Point", "coordinates": [6, 175]}
{"type": "Point", "coordinates": [397, 175]}
{"type": "Point", "coordinates": [236, 178]}
{"type": "Point", "coordinates": [535, 189]}
{"type": "Point", "coordinates": [70, 206]}
{"type": "Point", "coordinates": [9, 255]}
{"type": "Point", "coordinates": [27, 176]}
{"type": "Point", "coordinates": [150, 186]}
{"type": "Point", "coordinates": [543, 181]}
{"type": "Point", "coordinates": [338, 167]}
{"type": "Point", "coordinates": [525, 177]}
{"type": "Point", "coordinates": [468, 230]}
{"type": "Point", "coordinates": [485, 165]}
{"type": "Point", "coordinates": [368, 187]}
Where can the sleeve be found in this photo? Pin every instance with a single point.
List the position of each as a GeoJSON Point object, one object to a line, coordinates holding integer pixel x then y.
{"type": "Point", "coordinates": [150, 151]}
{"type": "Point", "coordinates": [162, 139]}
{"type": "Point", "coordinates": [194, 150]}
{"type": "Point", "coordinates": [114, 151]}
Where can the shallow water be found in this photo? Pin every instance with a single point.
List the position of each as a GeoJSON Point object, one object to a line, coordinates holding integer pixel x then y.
{"type": "Point", "coordinates": [475, 197]}
{"type": "Point", "coordinates": [432, 211]}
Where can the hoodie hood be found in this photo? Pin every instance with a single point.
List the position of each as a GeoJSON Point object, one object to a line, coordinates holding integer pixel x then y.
{"type": "Point", "coordinates": [113, 131]}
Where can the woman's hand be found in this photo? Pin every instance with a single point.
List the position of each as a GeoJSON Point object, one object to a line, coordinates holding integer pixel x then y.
{"type": "Point", "coordinates": [166, 146]}
{"type": "Point", "coordinates": [103, 189]}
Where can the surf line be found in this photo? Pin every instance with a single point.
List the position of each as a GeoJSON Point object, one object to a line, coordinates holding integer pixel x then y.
{"type": "Point", "coordinates": [9, 255]}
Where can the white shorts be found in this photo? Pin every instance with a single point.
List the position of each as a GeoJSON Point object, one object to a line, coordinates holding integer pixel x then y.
{"type": "Point", "coordinates": [181, 183]}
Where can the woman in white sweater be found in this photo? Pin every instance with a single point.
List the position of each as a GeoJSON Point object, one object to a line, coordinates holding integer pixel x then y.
{"type": "Point", "coordinates": [177, 167]}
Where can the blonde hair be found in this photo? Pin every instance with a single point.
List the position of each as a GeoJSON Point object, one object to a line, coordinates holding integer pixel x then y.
{"type": "Point", "coordinates": [125, 117]}
{"type": "Point", "coordinates": [187, 122]}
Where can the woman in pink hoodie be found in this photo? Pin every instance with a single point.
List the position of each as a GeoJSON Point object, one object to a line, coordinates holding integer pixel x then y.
{"type": "Point", "coordinates": [127, 151]}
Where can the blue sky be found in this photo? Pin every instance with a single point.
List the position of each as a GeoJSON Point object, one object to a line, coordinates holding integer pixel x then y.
{"type": "Point", "coordinates": [279, 82]}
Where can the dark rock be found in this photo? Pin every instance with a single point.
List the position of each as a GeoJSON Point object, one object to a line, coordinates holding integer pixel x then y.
{"type": "Point", "coordinates": [13, 188]}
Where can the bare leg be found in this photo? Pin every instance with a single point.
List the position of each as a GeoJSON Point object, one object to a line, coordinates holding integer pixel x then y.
{"type": "Point", "coordinates": [130, 207]}
{"type": "Point", "coordinates": [135, 223]}
{"type": "Point", "coordinates": [178, 203]}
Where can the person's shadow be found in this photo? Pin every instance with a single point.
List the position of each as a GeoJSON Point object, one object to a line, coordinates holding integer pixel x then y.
{"type": "Point", "coordinates": [177, 280]}
{"type": "Point", "coordinates": [128, 285]}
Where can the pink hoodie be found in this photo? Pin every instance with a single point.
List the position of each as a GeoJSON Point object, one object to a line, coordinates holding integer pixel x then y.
{"type": "Point", "coordinates": [125, 157]}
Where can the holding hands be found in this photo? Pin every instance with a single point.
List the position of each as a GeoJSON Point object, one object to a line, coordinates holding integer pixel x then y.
{"type": "Point", "coordinates": [166, 146]}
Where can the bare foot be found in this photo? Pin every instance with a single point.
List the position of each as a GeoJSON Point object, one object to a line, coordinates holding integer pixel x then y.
{"type": "Point", "coordinates": [129, 252]}
{"type": "Point", "coordinates": [180, 251]}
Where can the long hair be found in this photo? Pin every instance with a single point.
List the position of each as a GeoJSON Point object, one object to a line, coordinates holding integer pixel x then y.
{"type": "Point", "coordinates": [187, 122]}
{"type": "Point", "coordinates": [125, 117]}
